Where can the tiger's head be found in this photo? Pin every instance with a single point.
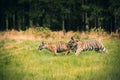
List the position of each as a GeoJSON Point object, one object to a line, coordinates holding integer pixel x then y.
{"type": "Point", "coordinates": [72, 44]}
{"type": "Point", "coordinates": [42, 46]}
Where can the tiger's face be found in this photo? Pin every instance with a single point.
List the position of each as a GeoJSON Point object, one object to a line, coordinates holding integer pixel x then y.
{"type": "Point", "coordinates": [42, 46]}
{"type": "Point", "coordinates": [72, 44]}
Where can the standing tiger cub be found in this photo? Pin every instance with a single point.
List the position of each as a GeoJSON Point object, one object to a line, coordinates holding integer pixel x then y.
{"type": "Point", "coordinates": [55, 47]}
{"type": "Point", "coordinates": [81, 45]}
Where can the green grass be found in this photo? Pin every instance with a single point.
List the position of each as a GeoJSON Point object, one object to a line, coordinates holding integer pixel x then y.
{"type": "Point", "coordinates": [21, 60]}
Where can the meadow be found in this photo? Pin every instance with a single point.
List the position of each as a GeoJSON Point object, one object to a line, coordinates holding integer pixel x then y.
{"type": "Point", "coordinates": [21, 60]}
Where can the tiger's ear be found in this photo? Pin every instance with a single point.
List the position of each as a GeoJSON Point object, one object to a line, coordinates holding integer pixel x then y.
{"type": "Point", "coordinates": [72, 38]}
{"type": "Point", "coordinates": [43, 42]}
{"type": "Point", "coordinates": [77, 40]}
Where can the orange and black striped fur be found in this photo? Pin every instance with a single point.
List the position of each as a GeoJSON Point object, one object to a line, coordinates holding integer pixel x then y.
{"type": "Point", "coordinates": [55, 47]}
{"type": "Point", "coordinates": [81, 45]}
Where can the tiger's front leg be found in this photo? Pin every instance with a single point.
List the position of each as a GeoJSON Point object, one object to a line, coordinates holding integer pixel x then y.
{"type": "Point", "coordinates": [67, 52]}
{"type": "Point", "coordinates": [54, 51]}
{"type": "Point", "coordinates": [78, 52]}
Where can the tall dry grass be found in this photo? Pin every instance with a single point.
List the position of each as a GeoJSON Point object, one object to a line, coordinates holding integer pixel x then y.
{"type": "Point", "coordinates": [32, 34]}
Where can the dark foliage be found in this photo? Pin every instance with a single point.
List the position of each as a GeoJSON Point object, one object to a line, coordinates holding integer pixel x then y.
{"type": "Point", "coordinates": [80, 15]}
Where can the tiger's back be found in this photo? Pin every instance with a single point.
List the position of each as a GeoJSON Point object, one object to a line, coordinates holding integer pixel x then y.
{"type": "Point", "coordinates": [83, 45]}
{"type": "Point", "coordinates": [61, 46]}
{"type": "Point", "coordinates": [54, 47]}
{"type": "Point", "coordinates": [93, 44]}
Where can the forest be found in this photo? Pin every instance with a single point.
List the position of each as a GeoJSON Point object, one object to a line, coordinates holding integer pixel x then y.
{"type": "Point", "coordinates": [66, 15]}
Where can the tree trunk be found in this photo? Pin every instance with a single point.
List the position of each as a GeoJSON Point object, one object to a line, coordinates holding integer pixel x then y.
{"type": "Point", "coordinates": [111, 25]}
{"type": "Point", "coordinates": [13, 21]}
{"type": "Point", "coordinates": [85, 19]}
{"type": "Point", "coordinates": [6, 23]}
{"type": "Point", "coordinates": [115, 23]}
{"type": "Point", "coordinates": [19, 23]}
{"type": "Point", "coordinates": [30, 22]}
{"type": "Point", "coordinates": [86, 22]}
{"type": "Point", "coordinates": [23, 21]}
{"type": "Point", "coordinates": [63, 24]}
{"type": "Point", "coordinates": [95, 23]}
